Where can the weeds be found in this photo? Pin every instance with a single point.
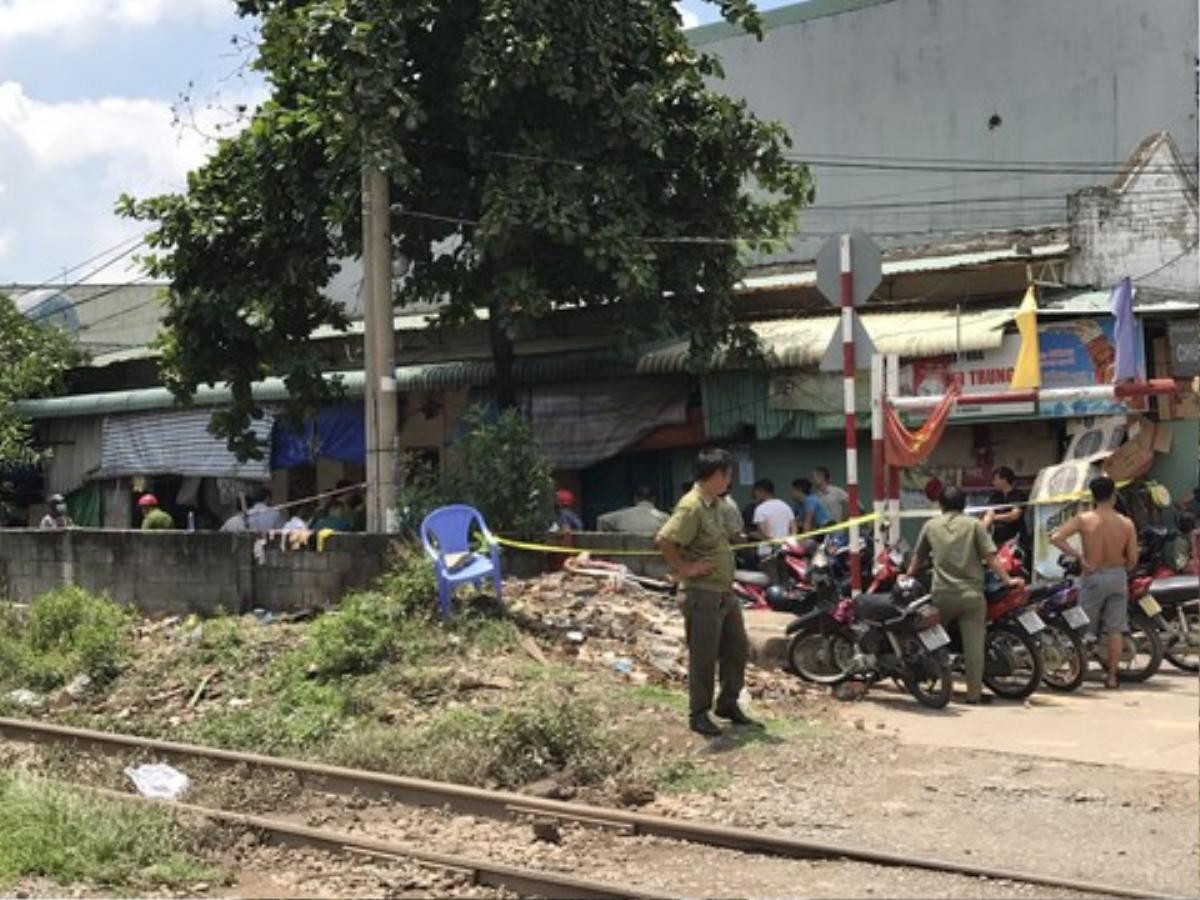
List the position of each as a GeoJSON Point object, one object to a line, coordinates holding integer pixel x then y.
{"type": "Point", "coordinates": [508, 748]}
{"type": "Point", "coordinates": [658, 696]}
{"type": "Point", "coordinates": [67, 632]}
{"type": "Point", "coordinates": [68, 837]}
{"type": "Point", "coordinates": [684, 776]}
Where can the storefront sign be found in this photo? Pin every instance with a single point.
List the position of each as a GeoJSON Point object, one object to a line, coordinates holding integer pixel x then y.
{"type": "Point", "coordinates": [1073, 354]}
{"type": "Point", "coordinates": [1185, 351]}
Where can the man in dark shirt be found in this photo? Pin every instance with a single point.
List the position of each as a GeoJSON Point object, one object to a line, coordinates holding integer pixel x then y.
{"type": "Point", "coordinates": [1006, 523]}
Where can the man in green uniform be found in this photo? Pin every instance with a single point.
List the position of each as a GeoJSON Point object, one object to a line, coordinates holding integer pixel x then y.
{"type": "Point", "coordinates": [154, 518]}
{"type": "Point", "coordinates": [695, 543]}
{"type": "Point", "coordinates": [961, 546]}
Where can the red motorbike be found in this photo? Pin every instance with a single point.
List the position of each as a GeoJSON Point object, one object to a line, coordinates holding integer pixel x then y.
{"type": "Point", "coordinates": [793, 593]}
{"type": "Point", "coordinates": [1142, 648]}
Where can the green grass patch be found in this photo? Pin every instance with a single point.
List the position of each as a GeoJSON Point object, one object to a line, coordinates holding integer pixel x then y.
{"type": "Point", "coordinates": [66, 632]}
{"type": "Point", "coordinates": [546, 734]}
{"type": "Point", "coordinates": [69, 837]}
{"type": "Point", "coordinates": [686, 776]}
{"type": "Point", "coordinates": [658, 696]}
{"type": "Point", "coordinates": [298, 716]}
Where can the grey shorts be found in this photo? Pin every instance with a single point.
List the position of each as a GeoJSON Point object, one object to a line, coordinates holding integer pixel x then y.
{"type": "Point", "coordinates": [1104, 596]}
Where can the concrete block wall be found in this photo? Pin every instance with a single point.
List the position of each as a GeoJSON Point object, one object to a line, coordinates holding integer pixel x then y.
{"type": "Point", "coordinates": [177, 572]}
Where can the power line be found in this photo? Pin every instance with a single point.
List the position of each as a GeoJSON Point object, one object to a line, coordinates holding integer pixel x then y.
{"type": "Point", "coordinates": [121, 312]}
{"type": "Point", "coordinates": [83, 281]}
{"type": "Point", "coordinates": [91, 259]}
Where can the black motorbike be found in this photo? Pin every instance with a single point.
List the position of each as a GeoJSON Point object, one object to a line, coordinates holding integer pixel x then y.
{"type": "Point", "coordinates": [873, 637]}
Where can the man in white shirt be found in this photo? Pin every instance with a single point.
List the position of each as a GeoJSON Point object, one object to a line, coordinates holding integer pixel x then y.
{"type": "Point", "coordinates": [773, 518]}
{"type": "Point", "coordinates": [832, 497]}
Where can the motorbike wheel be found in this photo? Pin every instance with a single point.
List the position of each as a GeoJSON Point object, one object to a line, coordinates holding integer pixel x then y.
{"type": "Point", "coordinates": [1064, 661]}
{"type": "Point", "coordinates": [1142, 651]}
{"type": "Point", "coordinates": [1013, 665]}
{"type": "Point", "coordinates": [1184, 652]}
{"type": "Point", "coordinates": [821, 658]}
{"type": "Point", "coordinates": [929, 679]}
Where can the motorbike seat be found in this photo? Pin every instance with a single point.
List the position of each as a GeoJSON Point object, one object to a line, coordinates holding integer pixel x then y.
{"type": "Point", "coordinates": [747, 576]}
{"type": "Point", "coordinates": [876, 607]}
{"type": "Point", "coordinates": [1042, 591]}
{"type": "Point", "coordinates": [994, 591]}
{"type": "Point", "coordinates": [1175, 589]}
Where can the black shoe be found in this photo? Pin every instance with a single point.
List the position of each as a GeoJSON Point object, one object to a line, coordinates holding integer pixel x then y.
{"type": "Point", "coordinates": [982, 700]}
{"type": "Point", "coordinates": [702, 724]}
{"type": "Point", "coordinates": [737, 717]}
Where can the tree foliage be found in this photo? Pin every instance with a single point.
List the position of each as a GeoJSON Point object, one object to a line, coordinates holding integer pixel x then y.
{"type": "Point", "coordinates": [34, 357]}
{"type": "Point", "coordinates": [542, 154]}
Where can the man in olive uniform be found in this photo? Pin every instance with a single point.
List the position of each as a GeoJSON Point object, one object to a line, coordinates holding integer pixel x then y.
{"type": "Point", "coordinates": [961, 546]}
{"type": "Point", "coordinates": [695, 543]}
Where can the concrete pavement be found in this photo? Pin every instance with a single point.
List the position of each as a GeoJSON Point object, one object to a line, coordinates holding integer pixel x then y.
{"type": "Point", "coordinates": [1152, 726]}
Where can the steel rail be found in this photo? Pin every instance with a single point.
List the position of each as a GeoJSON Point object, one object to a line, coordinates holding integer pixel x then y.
{"type": "Point", "coordinates": [480, 871]}
{"type": "Point", "coordinates": [507, 805]}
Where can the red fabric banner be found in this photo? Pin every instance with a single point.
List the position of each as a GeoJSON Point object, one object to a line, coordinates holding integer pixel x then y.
{"type": "Point", "coordinates": [906, 448]}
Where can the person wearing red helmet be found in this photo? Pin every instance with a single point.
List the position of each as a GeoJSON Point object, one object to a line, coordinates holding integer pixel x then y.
{"type": "Point", "coordinates": [565, 517]}
{"type": "Point", "coordinates": [153, 518]}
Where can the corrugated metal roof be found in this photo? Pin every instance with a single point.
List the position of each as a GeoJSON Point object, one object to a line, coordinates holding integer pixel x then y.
{"type": "Point", "coordinates": [807, 278]}
{"type": "Point", "coordinates": [435, 376]}
{"type": "Point", "coordinates": [797, 343]}
{"type": "Point", "coordinates": [1145, 301]}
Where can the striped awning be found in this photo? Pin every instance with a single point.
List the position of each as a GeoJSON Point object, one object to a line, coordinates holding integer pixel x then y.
{"type": "Point", "coordinates": [801, 342]}
{"type": "Point", "coordinates": [175, 442]}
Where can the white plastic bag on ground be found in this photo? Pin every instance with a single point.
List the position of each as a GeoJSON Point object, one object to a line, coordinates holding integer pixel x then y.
{"type": "Point", "coordinates": [159, 781]}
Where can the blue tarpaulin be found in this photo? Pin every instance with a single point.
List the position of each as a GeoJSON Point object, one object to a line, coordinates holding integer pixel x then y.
{"type": "Point", "coordinates": [339, 434]}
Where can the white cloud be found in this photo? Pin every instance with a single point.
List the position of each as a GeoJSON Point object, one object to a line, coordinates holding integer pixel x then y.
{"type": "Point", "coordinates": [66, 163]}
{"type": "Point", "coordinates": [690, 19]}
{"type": "Point", "coordinates": [137, 134]}
{"type": "Point", "coordinates": [22, 19]}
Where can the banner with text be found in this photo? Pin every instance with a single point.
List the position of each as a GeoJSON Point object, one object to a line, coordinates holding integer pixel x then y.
{"type": "Point", "coordinates": [1074, 353]}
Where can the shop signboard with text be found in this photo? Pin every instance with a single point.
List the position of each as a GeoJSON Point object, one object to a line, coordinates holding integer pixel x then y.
{"type": "Point", "coordinates": [1073, 353]}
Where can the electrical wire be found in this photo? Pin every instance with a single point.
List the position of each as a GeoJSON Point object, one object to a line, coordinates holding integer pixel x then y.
{"type": "Point", "coordinates": [91, 259]}
{"type": "Point", "coordinates": [50, 313]}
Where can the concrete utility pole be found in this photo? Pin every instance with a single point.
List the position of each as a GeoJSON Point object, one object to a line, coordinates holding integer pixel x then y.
{"type": "Point", "coordinates": [380, 352]}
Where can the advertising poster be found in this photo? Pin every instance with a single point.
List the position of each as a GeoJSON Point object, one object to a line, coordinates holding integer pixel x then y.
{"type": "Point", "coordinates": [1073, 353]}
{"type": "Point", "coordinates": [1064, 480]}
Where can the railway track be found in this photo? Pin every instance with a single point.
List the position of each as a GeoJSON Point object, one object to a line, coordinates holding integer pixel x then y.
{"type": "Point", "coordinates": [502, 805]}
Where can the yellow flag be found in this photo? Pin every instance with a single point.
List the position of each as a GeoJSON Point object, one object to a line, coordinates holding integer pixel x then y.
{"type": "Point", "coordinates": [1028, 371]}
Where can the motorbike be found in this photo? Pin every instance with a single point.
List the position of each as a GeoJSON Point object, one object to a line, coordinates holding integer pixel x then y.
{"type": "Point", "coordinates": [1064, 648]}
{"type": "Point", "coordinates": [873, 637]}
{"type": "Point", "coordinates": [793, 593]}
{"type": "Point", "coordinates": [1142, 649]}
{"type": "Point", "coordinates": [1013, 665]}
{"type": "Point", "coordinates": [837, 550]}
{"type": "Point", "coordinates": [1165, 561]}
{"type": "Point", "coordinates": [1061, 644]}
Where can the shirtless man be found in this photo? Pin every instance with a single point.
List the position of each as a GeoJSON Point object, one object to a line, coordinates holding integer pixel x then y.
{"type": "Point", "coordinates": [1110, 550]}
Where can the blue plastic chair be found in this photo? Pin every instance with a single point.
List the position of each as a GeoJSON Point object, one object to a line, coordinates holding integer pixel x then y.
{"type": "Point", "coordinates": [448, 530]}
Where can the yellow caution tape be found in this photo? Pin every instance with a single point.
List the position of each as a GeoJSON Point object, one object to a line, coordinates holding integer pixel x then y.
{"type": "Point", "coordinates": [599, 551]}
{"type": "Point", "coordinates": [1016, 504]}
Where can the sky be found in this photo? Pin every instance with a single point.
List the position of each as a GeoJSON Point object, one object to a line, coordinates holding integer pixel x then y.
{"type": "Point", "coordinates": [103, 97]}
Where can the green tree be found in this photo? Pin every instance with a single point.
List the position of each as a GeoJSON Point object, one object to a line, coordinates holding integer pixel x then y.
{"type": "Point", "coordinates": [33, 360]}
{"type": "Point", "coordinates": [542, 154]}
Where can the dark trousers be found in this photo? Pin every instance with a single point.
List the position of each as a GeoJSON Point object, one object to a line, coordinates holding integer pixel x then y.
{"type": "Point", "coordinates": [716, 635]}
